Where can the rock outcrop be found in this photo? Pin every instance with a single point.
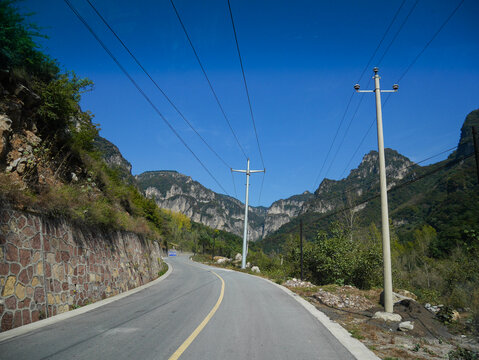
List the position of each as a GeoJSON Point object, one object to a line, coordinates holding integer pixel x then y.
{"type": "Point", "coordinates": [361, 180]}
{"type": "Point", "coordinates": [180, 193]}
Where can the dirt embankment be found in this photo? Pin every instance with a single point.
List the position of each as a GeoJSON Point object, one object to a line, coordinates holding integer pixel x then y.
{"type": "Point", "coordinates": [429, 338]}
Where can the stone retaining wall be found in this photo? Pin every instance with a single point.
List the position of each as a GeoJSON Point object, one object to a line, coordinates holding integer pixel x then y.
{"type": "Point", "coordinates": [48, 267]}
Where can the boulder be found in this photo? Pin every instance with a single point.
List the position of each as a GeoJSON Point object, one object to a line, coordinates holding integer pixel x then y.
{"type": "Point", "coordinates": [5, 130]}
{"type": "Point", "coordinates": [255, 269]}
{"type": "Point", "coordinates": [32, 138]}
{"type": "Point", "coordinates": [433, 308]}
{"type": "Point", "coordinates": [381, 315]}
{"type": "Point", "coordinates": [28, 97]}
{"type": "Point", "coordinates": [407, 294]}
{"type": "Point", "coordinates": [221, 260]}
{"type": "Point", "coordinates": [396, 298]}
{"type": "Point", "coordinates": [297, 283]}
{"type": "Point", "coordinates": [238, 257]}
{"type": "Point", "coordinates": [406, 326]}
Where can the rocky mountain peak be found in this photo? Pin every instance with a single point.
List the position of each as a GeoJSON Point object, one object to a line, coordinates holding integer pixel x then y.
{"type": "Point", "coordinates": [466, 144]}
{"type": "Point", "coordinates": [113, 157]}
{"type": "Point", "coordinates": [397, 165]}
{"type": "Point", "coordinates": [180, 193]}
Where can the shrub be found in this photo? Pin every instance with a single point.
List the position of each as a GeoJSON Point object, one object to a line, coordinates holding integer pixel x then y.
{"type": "Point", "coordinates": [335, 258]}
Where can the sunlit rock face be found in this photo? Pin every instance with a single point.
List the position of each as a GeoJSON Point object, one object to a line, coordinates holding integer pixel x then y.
{"type": "Point", "coordinates": [178, 192]}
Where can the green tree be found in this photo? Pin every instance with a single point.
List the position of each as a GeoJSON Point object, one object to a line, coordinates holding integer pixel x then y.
{"type": "Point", "coordinates": [204, 240]}
{"type": "Point", "coordinates": [17, 47]}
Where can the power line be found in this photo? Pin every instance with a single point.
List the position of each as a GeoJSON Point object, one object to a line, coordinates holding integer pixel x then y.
{"type": "Point", "coordinates": [399, 186]}
{"type": "Point", "coordinates": [392, 189]}
{"type": "Point", "coordinates": [352, 94]}
{"type": "Point", "coordinates": [398, 31]}
{"type": "Point", "coordinates": [140, 90]}
{"type": "Point", "coordinates": [234, 184]}
{"type": "Point", "coordinates": [345, 133]}
{"type": "Point", "coordinates": [245, 84]}
{"type": "Point", "coordinates": [156, 84]}
{"type": "Point", "coordinates": [430, 41]}
{"type": "Point", "coordinates": [381, 41]}
{"type": "Point", "coordinates": [261, 189]}
{"type": "Point", "coordinates": [207, 78]}
{"type": "Point", "coordinates": [380, 60]}
{"type": "Point", "coordinates": [405, 168]}
{"type": "Point", "coordinates": [407, 69]}
{"type": "Point", "coordinates": [363, 138]}
{"type": "Point", "coordinates": [334, 138]}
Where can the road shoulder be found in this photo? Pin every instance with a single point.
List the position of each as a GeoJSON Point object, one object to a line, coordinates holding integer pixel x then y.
{"type": "Point", "coordinates": [72, 313]}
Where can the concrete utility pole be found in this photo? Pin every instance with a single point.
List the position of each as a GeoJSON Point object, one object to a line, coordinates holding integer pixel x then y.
{"type": "Point", "coordinates": [245, 233]}
{"type": "Point", "coordinates": [388, 284]}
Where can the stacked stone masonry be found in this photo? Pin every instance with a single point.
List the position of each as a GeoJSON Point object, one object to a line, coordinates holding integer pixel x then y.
{"type": "Point", "coordinates": [49, 267]}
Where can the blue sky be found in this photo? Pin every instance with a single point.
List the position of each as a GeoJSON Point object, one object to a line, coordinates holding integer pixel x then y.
{"type": "Point", "coordinates": [301, 60]}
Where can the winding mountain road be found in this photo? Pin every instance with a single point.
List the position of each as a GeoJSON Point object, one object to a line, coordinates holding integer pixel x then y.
{"type": "Point", "coordinates": [197, 312]}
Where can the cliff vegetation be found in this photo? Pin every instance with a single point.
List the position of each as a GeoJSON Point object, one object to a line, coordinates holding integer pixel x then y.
{"type": "Point", "coordinates": [52, 159]}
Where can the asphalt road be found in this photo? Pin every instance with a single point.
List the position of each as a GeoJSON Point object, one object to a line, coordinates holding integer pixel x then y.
{"type": "Point", "coordinates": [255, 320]}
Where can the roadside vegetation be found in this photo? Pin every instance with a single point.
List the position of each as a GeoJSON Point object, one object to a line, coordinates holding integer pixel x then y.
{"type": "Point", "coordinates": [63, 173]}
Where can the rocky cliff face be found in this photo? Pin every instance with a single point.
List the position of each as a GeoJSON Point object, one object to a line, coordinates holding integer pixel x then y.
{"type": "Point", "coordinates": [113, 157]}
{"type": "Point", "coordinates": [282, 211]}
{"type": "Point", "coordinates": [178, 192]}
{"type": "Point", "coordinates": [466, 144]}
{"type": "Point", "coordinates": [360, 180]}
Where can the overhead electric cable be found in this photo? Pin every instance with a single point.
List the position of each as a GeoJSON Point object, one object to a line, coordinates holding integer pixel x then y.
{"type": "Point", "coordinates": [140, 90]}
{"type": "Point", "coordinates": [156, 84]}
{"type": "Point", "coordinates": [344, 135]}
{"type": "Point", "coordinates": [384, 54]}
{"type": "Point", "coordinates": [411, 64]}
{"type": "Point", "coordinates": [398, 31]}
{"type": "Point", "coordinates": [430, 41]}
{"type": "Point", "coordinates": [245, 84]}
{"type": "Point", "coordinates": [381, 41]}
{"type": "Point", "coordinates": [234, 184]}
{"type": "Point", "coordinates": [358, 147]}
{"type": "Point", "coordinates": [364, 137]}
{"type": "Point", "coordinates": [261, 188]}
{"type": "Point", "coordinates": [394, 188]}
{"type": "Point", "coordinates": [207, 78]}
{"type": "Point", "coordinates": [353, 92]}
{"type": "Point", "coordinates": [353, 188]}
{"type": "Point", "coordinates": [334, 139]}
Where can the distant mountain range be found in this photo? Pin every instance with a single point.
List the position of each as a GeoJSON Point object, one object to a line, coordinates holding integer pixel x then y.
{"type": "Point", "coordinates": [180, 193]}
{"type": "Point", "coordinates": [409, 205]}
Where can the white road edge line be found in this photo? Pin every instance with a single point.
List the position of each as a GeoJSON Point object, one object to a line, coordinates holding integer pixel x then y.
{"type": "Point", "coordinates": [354, 346]}
{"type": "Point", "coordinates": [67, 315]}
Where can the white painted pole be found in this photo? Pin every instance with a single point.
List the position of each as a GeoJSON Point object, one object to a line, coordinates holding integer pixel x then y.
{"type": "Point", "coordinates": [245, 233]}
{"type": "Point", "coordinates": [388, 287]}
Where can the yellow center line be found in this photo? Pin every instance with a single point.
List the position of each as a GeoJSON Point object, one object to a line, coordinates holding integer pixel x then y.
{"type": "Point", "coordinates": [200, 327]}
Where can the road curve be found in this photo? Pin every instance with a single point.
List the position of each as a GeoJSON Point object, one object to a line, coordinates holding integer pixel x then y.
{"type": "Point", "coordinates": [254, 320]}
